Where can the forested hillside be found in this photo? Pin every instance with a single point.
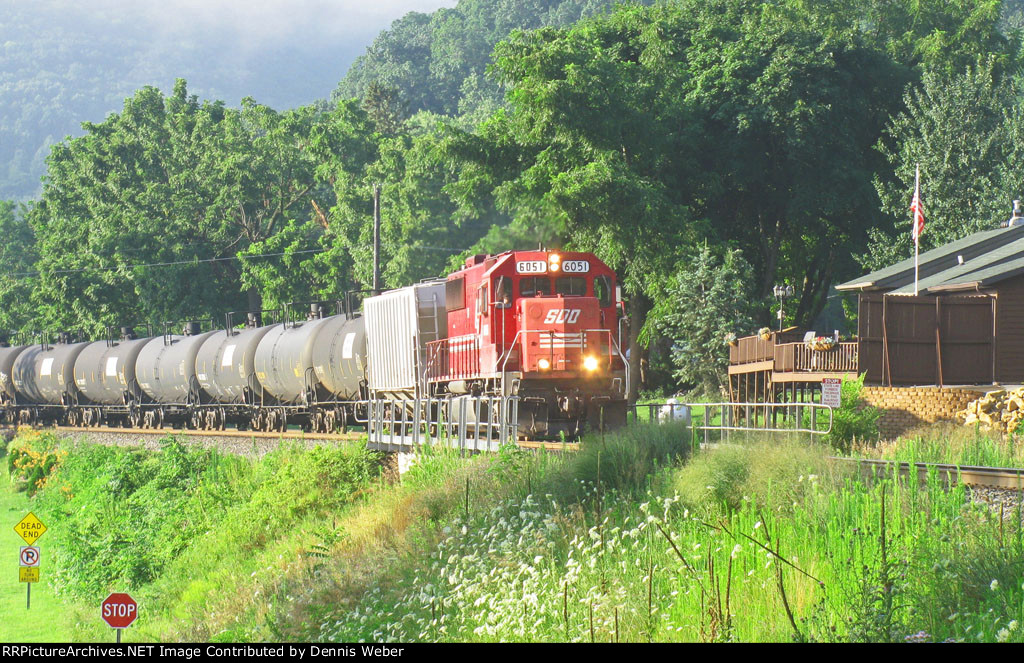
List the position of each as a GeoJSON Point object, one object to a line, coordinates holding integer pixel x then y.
{"type": "Point", "coordinates": [706, 149]}
{"type": "Point", "coordinates": [438, 61]}
{"type": "Point", "coordinates": [65, 63]}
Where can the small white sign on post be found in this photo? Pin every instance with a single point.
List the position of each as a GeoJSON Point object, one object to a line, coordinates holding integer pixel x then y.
{"type": "Point", "coordinates": [830, 392]}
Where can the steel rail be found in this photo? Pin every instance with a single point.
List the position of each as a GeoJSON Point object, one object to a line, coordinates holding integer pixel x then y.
{"type": "Point", "coordinates": [969, 475]}
{"type": "Point", "coordinates": [288, 435]}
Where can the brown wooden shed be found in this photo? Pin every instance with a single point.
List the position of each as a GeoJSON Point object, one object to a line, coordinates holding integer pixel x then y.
{"type": "Point", "coordinates": [965, 326]}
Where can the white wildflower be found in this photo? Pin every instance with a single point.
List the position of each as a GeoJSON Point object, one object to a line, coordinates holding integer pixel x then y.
{"type": "Point", "coordinates": [1003, 635]}
{"type": "Point", "coordinates": [736, 550]}
{"type": "Point", "coordinates": [994, 585]}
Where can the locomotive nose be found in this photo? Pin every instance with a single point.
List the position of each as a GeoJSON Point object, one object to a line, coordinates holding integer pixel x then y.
{"type": "Point", "coordinates": [558, 334]}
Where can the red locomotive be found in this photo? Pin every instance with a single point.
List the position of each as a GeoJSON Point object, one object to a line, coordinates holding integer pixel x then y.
{"type": "Point", "coordinates": [540, 325]}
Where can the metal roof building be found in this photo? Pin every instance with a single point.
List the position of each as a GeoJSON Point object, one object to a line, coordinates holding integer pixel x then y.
{"type": "Point", "coordinates": [966, 326]}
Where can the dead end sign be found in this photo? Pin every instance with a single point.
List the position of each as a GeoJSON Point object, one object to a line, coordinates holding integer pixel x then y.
{"type": "Point", "coordinates": [119, 610]}
{"type": "Point", "coordinates": [831, 390]}
{"type": "Point", "coordinates": [30, 528]}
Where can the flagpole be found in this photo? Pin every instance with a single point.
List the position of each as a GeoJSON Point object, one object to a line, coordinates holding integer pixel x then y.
{"type": "Point", "coordinates": [917, 237]}
{"type": "Point", "coordinates": [916, 266]}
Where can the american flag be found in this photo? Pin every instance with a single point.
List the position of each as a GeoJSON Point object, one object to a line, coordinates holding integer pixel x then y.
{"type": "Point", "coordinates": [917, 222]}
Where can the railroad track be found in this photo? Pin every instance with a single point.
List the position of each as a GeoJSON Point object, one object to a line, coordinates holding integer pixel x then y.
{"type": "Point", "coordinates": [287, 435]}
{"type": "Point", "coordinates": [247, 434]}
{"type": "Point", "coordinates": [970, 475]}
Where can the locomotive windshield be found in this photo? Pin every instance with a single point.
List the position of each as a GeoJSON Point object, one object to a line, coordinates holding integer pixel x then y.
{"type": "Point", "coordinates": [534, 285]}
{"type": "Point", "coordinates": [573, 286]}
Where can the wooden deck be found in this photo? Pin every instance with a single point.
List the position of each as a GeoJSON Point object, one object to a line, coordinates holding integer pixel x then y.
{"type": "Point", "coordinates": [769, 369]}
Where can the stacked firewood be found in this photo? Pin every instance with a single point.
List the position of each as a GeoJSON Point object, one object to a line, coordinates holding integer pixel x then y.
{"type": "Point", "coordinates": [998, 410]}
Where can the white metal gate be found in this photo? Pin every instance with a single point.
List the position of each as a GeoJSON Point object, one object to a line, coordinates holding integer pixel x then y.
{"type": "Point", "coordinates": [470, 423]}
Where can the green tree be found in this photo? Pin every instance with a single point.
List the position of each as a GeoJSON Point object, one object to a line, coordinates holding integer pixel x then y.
{"type": "Point", "coordinates": [956, 129]}
{"type": "Point", "coordinates": [649, 129]}
{"type": "Point", "coordinates": [17, 267]}
{"type": "Point", "coordinates": [429, 58]}
{"type": "Point", "coordinates": [143, 217]}
{"type": "Point", "coordinates": [421, 228]}
{"type": "Point", "coordinates": [705, 299]}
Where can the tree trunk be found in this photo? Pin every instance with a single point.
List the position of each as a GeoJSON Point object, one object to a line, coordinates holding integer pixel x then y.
{"type": "Point", "coordinates": [638, 308]}
{"type": "Point", "coordinates": [255, 299]}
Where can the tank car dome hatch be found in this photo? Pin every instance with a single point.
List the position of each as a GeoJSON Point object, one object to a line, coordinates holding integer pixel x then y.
{"type": "Point", "coordinates": [166, 367]}
{"type": "Point", "coordinates": [45, 374]}
{"type": "Point", "coordinates": [225, 364]}
{"type": "Point", "coordinates": [284, 361]}
{"type": "Point", "coordinates": [104, 371]}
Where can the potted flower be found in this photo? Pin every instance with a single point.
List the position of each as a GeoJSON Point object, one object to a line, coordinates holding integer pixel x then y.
{"type": "Point", "coordinates": [730, 338]}
{"type": "Point", "coordinates": [821, 343]}
{"type": "Point", "coordinates": [764, 333]}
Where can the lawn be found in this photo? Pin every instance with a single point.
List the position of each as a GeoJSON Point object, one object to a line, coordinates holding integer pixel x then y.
{"type": "Point", "coordinates": [48, 620]}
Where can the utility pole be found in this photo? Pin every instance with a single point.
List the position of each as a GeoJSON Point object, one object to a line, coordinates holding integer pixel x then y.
{"type": "Point", "coordinates": [376, 239]}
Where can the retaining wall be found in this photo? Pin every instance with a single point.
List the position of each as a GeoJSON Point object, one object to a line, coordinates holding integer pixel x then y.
{"type": "Point", "coordinates": [904, 408]}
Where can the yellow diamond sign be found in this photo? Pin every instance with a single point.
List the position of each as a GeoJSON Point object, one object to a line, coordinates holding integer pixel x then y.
{"type": "Point", "coordinates": [30, 528]}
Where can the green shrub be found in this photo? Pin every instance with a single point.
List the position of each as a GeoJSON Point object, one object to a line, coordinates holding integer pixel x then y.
{"type": "Point", "coordinates": [626, 457]}
{"type": "Point", "coordinates": [128, 515]}
{"type": "Point", "coordinates": [769, 473]}
{"type": "Point", "coordinates": [853, 419]}
{"type": "Point", "coordinates": [33, 457]}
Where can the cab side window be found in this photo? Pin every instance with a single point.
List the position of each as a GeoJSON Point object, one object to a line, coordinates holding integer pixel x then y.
{"type": "Point", "coordinates": [481, 300]}
{"type": "Point", "coordinates": [503, 293]}
{"type": "Point", "coordinates": [603, 291]}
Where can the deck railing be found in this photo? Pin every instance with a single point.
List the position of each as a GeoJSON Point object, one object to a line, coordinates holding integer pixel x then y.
{"type": "Point", "coordinates": [798, 358]}
{"type": "Point", "coordinates": [751, 349]}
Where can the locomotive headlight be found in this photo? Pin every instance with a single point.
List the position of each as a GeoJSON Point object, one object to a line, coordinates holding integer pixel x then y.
{"type": "Point", "coordinates": [543, 364]}
{"type": "Point", "coordinates": [554, 262]}
{"type": "Point", "coordinates": [590, 363]}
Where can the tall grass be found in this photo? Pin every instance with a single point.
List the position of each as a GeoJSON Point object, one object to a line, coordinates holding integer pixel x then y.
{"type": "Point", "coordinates": [780, 546]}
{"type": "Point", "coordinates": [952, 444]}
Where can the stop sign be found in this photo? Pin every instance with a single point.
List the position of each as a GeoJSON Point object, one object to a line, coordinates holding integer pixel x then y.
{"type": "Point", "coordinates": [119, 610]}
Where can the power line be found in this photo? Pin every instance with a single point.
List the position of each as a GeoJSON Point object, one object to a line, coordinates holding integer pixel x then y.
{"type": "Point", "coordinates": [199, 261]}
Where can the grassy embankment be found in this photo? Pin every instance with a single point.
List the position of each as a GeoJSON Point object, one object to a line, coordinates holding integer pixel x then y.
{"type": "Point", "coordinates": [620, 541]}
{"type": "Point", "coordinates": [201, 540]}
